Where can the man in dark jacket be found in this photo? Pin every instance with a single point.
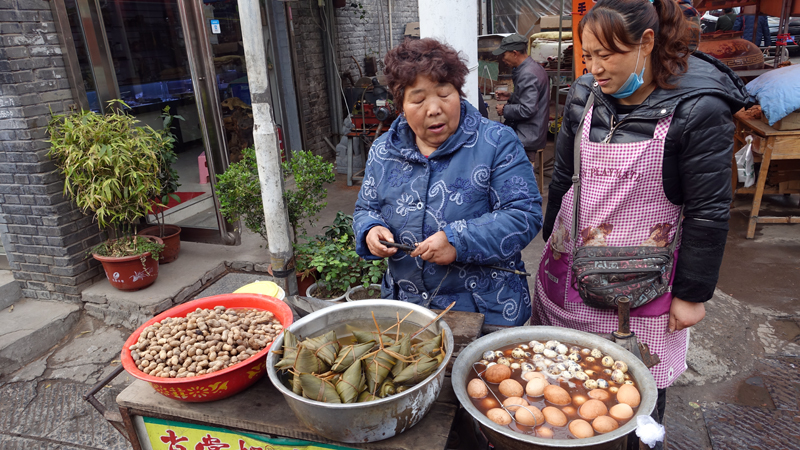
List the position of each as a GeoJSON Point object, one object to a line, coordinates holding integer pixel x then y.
{"type": "Point", "coordinates": [726, 21]}
{"type": "Point", "coordinates": [528, 108]}
{"type": "Point", "coordinates": [745, 23]}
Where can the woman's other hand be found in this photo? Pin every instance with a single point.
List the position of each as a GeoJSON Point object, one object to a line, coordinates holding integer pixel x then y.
{"type": "Point", "coordinates": [683, 314]}
{"type": "Point", "coordinates": [376, 234]}
{"type": "Point", "coordinates": [502, 96]}
{"type": "Point", "coordinates": [436, 249]}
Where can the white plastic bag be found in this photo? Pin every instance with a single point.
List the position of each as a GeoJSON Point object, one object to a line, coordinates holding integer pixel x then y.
{"type": "Point", "coordinates": [744, 163]}
{"type": "Point", "coordinates": [649, 431]}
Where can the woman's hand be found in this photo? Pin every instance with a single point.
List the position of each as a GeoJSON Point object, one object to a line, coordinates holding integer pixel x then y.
{"type": "Point", "coordinates": [502, 96]}
{"type": "Point", "coordinates": [436, 249]}
{"type": "Point", "coordinates": [683, 314]}
{"type": "Point", "coordinates": [376, 234]}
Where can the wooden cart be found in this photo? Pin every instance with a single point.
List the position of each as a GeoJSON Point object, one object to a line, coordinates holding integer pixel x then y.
{"type": "Point", "coordinates": [779, 154]}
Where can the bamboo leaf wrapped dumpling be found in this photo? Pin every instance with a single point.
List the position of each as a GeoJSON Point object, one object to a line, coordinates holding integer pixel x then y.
{"type": "Point", "coordinates": [429, 347]}
{"type": "Point", "coordinates": [417, 371]}
{"type": "Point", "coordinates": [307, 362]}
{"type": "Point", "coordinates": [378, 366]}
{"type": "Point", "coordinates": [366, 336]}
{"type": "Point", "coordinates": [325, 347]}
{"type": "Point", "coordinates": [351, 383]}
{"type": "Point", "coordinates": [367, 397]}
{"type": "Point", "coordinates": [289, 351]}
{"type": "Point", "coordinates": [405, 351]}
{"type": "Point", "coordinates": [350, 353]}
{"type": "Point", "coordinates": [319, 390]}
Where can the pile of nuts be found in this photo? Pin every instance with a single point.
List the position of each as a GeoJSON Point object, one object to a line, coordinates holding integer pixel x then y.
{"type": "Point", "coordinates": [205, 341]}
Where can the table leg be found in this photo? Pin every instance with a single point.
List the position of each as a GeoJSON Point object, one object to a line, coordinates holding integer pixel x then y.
{"type": "Point", "coordinates": [760, 182]}
{"type": "Point", "coordinates": [350, 161]}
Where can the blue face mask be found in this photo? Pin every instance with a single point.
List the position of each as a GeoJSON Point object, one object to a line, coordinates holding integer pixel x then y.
{"type": "Point", "coordinates": [634, 81]}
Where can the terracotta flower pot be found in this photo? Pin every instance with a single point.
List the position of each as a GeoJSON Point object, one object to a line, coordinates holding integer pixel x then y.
{"type": "Point", "coordinates": [171, 238]}
{"type": "Point", "coordinates": [128, 273]}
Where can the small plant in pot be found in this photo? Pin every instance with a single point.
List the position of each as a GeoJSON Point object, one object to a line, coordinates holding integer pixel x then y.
{"type": "Point", "coordinates": [110, 169]}
{"type": "Point", "coordinates": [168, 176]}
{"type": "Point", "coordinates": [239, 192]}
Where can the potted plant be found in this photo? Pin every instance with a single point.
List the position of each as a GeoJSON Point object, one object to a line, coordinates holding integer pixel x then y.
{"type": "Point", "coordinates": [239, 192]}
{"type": "Point", "coordinates": [110, 167]}
{"type": "Point", "coordinates": [168, 176]}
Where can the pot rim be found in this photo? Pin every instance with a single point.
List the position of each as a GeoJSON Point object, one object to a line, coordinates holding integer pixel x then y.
{"type": "Point", "coordinates": [462, 367]}
{"type": "Point", "coordinates": [335, 300]}
{"type": "Point", "coordinates": [113, 259]}
{"type": "Point", "coordinates": [360, 287]}
{"type": "Point", "coordinates": [278, 345]}
{"type": "Point", "coordinates": [143, 231]}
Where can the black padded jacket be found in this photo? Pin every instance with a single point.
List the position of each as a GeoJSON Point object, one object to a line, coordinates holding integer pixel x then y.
{"type": "Point", "coordinates": [697, 159]}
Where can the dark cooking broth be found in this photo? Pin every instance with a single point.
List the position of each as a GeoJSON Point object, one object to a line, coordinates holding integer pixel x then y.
{"type": "Point", "coordinates": [574, 387]}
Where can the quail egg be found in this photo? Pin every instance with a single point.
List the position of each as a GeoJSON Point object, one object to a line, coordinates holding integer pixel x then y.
{"type": "Point", "coordinates": [561, 358]}
{"type": "Point", "coordinates": [607, 371]}
{"type": "Point", "coordinates": [567, 375]}
{"type": "Point", "coordinates": [551, 344]}
{"type": "Point", "coordinates": [541, 365]}
{"type": "Point", "coordinates": [574, 349]}
{"type": "Point", "coordinates": [504, 361]}
{"type": "Point", "coordinates": [489, 355]}
{"type": "Point", "coordinates": [602, 383]}
{"type": "Point", "coordinates": [519, 353]}
{"type": "Point", "coordinates": [630, 382]}
{"type": "Point", "coordinates": [574, 369]}
{"type": "Point", "coordinates": [617, 376]}
{"type": "Point", "coordinates": [590, 384]}
{"type": "Point", "coordinates": [525, 347]}
{"type": "Point", "coordinates": [532, 344]}
{"type": "Point", "coordinates": [590, 360]}
{"type": "Point", "coordinates": [553, 370]}
{"type": "Point", "coordinates": [575, 357]}
{"type": "Point", "coordinates": [538, 347]}
{"type": "Point", "coordinates": [537, 357]}
{"type": "Point", "coordinates": [562, 349]}
{"type": "Point", "coordinates": [590, 372]}
{"type": "Point", "coordinates": [527, 367]}
{"type": "Point", "coordinates": [515, 366]}
{"type": "Point", "coordinates": [597, 353]}
{"type": "Point", "coordinates": [581, 376]}
{"type": "Point", "coordinates": [613, 389]}
{"type": "Point", "coordinates": [549, 353]}
{"type": "Point", "coordinates": [484, 362]}
{"type": "Point", "coordinates": [586, 352]}
{"type": "Point", "coordinates": [607, 361]}
{"type": "Point", "coordinates": [547, 361]}
{"type": "Point", "coordinates": [621, 366]}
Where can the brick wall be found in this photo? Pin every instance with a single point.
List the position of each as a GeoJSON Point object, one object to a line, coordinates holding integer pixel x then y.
{"type": "Point", "coordinates": [359, 37]}
{"type": "Point", "coordinates": [44, 235]}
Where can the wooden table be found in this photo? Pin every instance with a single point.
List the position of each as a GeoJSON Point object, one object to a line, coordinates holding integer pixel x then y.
{"type": "Point", "coordinates": [261, 410]}
{"type": "Point", "coordinates": [779, 153]}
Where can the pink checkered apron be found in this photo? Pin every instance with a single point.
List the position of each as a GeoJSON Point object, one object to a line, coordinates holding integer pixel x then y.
{"type": "Point", "coordinates": [622, 204]}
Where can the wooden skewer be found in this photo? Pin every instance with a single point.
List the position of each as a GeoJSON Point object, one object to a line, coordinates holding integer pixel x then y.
{"type": "Point", "coordinates": [433, 321]}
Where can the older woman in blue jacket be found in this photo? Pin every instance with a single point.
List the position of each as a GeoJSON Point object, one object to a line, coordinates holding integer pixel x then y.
{"type": "Point", "coordinates": [454, 185]}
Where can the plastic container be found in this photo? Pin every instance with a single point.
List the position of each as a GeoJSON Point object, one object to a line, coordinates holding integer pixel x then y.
{"type": "Point", "coordinates": [217, 385]}
{"type": "Point", "coordinates": [268, 288]}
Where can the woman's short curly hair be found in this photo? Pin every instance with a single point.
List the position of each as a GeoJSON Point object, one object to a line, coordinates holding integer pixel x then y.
{"type": "Point", "coordinates": [429, 57]}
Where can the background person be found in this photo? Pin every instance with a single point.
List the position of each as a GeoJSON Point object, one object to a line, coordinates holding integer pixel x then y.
{"type": "Point", "coordinates": [527, 110]}
{"type": "Point", "coordinates": [454, 182]}
{"type": "Point", "coordinates": [745, 23]}
{"type": "Point", "coordinates": [658, 136]}
{"type": "Point", "coordinates": [726, 21]}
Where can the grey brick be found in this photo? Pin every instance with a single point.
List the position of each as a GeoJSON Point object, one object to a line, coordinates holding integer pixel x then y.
{"type": "Point", "coordinates": [21, 179]}
{"type": "Point", "coordinates": [27, 199]}
{"type": "Point", "coordinates": [32, 259]}
{"type": "Point", "coordinates": [46, 15]}
{"type": "Point", "coordinates": [34, 4]}
{"type": "Point", "coordinates": [12, 124]}
{"type": "Point", "coordinates": [7, 135]}
{"type": "Point", "coordinates": [8, 4]}
{"type": "Point", "coordinates": [23, 229]}
{"type": "Point", "coordinates": [10, 28]}
{"type": "Point", "coordinates": [23, 40]}
{"type": "Point", "coordinates": [40, 268]}
{"type": "Point", "coordinates": [46, 27]}
{"type": "Point", "coordinates": [14, 52]}
{"type": "Point", "coordinates": [17, 220]}
{"type": "Point", "coordinates": [51, 74]}
{"type": "Point", "coordinates": [45, 50]}
{"type": "Point", "coordinates": [55, 95]}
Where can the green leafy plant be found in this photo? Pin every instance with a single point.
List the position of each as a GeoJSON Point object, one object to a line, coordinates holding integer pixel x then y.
{"type": "Point", "coordinates": [110, 166]}
{"type": "Point", "coordinates": [239, 191]}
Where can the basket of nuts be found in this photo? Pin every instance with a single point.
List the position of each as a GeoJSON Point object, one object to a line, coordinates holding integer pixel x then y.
{"type": "Point", "coordinates": [206, 349]}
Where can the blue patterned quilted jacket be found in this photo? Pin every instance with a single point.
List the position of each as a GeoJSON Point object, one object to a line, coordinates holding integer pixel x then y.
{"type": "Point", "coordinates": [478, 187]}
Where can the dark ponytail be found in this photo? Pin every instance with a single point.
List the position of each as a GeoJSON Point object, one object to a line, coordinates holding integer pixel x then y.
{"type": "Point", "coordinates": [625, 21]}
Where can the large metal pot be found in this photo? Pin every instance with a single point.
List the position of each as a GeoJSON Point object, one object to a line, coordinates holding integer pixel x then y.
{"type": "Point", "coordinates": [375, 420]}
{"type": "Point", "coordinates": [503, 437]}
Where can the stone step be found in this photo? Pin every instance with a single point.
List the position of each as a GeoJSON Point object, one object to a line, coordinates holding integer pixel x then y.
{"type": "Point", "coordinates": [31, 328]}
{"type": "Point", "coordinates": [10, 291]}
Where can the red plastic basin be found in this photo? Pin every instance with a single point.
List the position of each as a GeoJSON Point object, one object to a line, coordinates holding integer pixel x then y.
{"type": "Point", "coordinates": [217, 385]}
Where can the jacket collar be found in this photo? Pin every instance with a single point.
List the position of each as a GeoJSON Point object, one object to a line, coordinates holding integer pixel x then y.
{"type": "Point", "coordinates": [704, 76]}
{"type": "Point", "coordinates": [401, 140]}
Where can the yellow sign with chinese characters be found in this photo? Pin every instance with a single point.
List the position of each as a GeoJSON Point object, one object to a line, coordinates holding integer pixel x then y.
{"type": "Point", "coordinates": [171, 435]}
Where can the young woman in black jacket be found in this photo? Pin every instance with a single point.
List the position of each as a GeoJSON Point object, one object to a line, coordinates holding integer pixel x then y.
{"type": "Point", "coordinates": [657, 140]}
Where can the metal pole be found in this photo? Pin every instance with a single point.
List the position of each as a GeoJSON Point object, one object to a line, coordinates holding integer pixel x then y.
{"type": "Point", "coordinates": [267, 151]}
{"type": "Point", "coordinates": [558, 56]}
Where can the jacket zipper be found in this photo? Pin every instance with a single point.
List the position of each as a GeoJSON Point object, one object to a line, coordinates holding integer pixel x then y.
{"type": "Point", "coordinates": [622, 258]}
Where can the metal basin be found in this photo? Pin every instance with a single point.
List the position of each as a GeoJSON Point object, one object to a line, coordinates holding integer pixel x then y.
{"type": "Point", "coordinates": [505, 438]}
{"type": "Point", "coordinates": [371, 421]}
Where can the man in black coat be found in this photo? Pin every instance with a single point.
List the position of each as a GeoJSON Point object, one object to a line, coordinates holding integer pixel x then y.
{"type": "Point", "coordinates": [528, 108]}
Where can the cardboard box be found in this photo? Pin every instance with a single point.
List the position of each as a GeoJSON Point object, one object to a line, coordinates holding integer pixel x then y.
{"type": "Point", "coordinates": [790, 122]}
{"type": "Point", "coordinates": [551, 23]}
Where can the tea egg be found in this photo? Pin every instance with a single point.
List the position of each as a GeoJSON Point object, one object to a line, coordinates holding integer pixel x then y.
{"type": "Point", "coordinates": [599, 394]}
{"type": "Point", "coordinates": [621, 366]}
{"type": "Point", "coordinates": [604, 424]}
{"type": "Point", "coordinates": [556, 395]}
{"type": "Point", "coordinates": [530, 416]}
{"type": "Point", "coordinates": [513, 403]}
{"type": "Point", "coordinates": [590, 384]}
{"type": "Point", "coordinates": [535, 387]}
{"type": "Point", "coordinates": [570, 412]}
{"type": "Point", "coordinates": [554, 416]}
{"type": "Point", "coordinates": [593, 408]}
{"type": "Point", "coordinates": [617, 376]}
{"type": "Point", "coordinates": [607, 361]}
{"type": "Point", "coordinates": [629, 395]}
{"type": "Point", "coordinates": [518, 353]}
{"type": "Point", "coordinates": [528, 376]}
{"type": "Point", "coordinates": [581, 429]}
{"type": "Point", "coordinates": [497, 373]}
{"type": "Point", "coordinates": [579, 400]}
{"type": "Point", "coordinates": [545, 432]}
{"type": "Point", "coordinates": [498, 416]}
{"type": "Point", "coordinates": [477, 389]}
{"type": "Point", "coordinates": [621, 411]}
{"type": "Point", "coordinates": [511, 388]}
{"type": "Point", "coordinates": [489, 403]}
